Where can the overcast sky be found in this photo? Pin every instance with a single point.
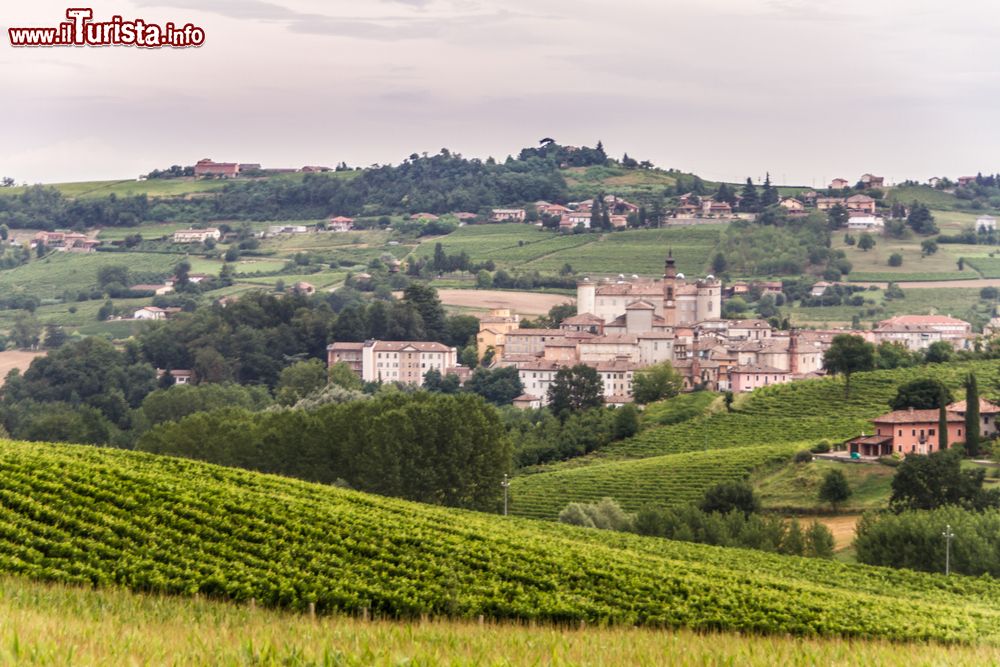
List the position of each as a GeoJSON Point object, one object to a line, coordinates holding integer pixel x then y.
{"type": "Point", "coordinates": [723, 88]}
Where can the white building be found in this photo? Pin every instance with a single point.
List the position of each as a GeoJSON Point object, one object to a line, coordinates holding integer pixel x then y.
{"type": "Point", "coordinates": [508, 215]}
{"type": "Point", "coordinates": [986, 223]}
{"type": "Point", "coordinates": [196, 235]}
{"type": "Point", "coordinates": [866, 223]}
{"type": "Point", "coordinates": [287, 229]}
{"type": "Point", "coordinates": [405, 361]}
{"type": "Point", "coordinates": [150, 313]}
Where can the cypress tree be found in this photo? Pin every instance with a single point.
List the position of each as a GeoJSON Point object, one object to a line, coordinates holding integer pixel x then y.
{"type": "Point", "coordinates": [971, 416]}
{"type": "Point", "coordinates": [942, 422]}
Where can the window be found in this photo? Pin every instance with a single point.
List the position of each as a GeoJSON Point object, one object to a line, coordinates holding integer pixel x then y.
{"type": "Point", "coordinates": [900, 433]}
{"type": "Point", "coordinates": [930, 431]}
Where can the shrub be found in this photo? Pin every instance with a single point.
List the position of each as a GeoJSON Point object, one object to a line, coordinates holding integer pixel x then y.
{"type": "Point", "coordinates": [804, 456]}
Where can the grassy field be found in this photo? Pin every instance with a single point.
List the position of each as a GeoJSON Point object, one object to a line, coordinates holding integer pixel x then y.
{"type": "Point", "coordinates": [106, 518]}
{"type": "Point", "coordinates": [48, 278]}
{"type": "Point", "coordinates": [153, 188]}
{"type": "Point", "coordinates": [795, 486]}
{"type": "Point", "coordinates": [680, 408]}
{"type": "Point", "coordinates": [587, 182]}
{"type": "Point", "coordinates": [51, 625]}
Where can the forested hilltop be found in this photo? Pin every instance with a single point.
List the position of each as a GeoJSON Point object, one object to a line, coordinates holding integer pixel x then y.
{"type": "Point", "coordinates": [441, 183]}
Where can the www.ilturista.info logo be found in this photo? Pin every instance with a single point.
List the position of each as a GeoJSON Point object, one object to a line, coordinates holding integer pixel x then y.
{"type": "Point", "coordinates": [81, 30]}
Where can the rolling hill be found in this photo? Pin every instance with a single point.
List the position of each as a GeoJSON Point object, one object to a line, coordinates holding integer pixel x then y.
{"type": "Point", "coordinates": [102, 518]}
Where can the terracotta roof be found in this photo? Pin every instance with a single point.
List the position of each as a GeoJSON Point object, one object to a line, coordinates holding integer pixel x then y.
{"type": "Point", "coordinates": [923, 319]}
{"type": "Point", "coordinates": [640, 305]}
{"type": "Point", "coordinates": [536, 332]}
{"type": "Point", "coordinates": [397, 345]}
{"type": "Point", "coordinates": [612, 339]}
{"type": "Point", "coordinates": [985, 407]}
{"type": "Point", "coordinates": [749, 324]}
{"type": "Point", "coordinates": [345, 346]}
{"type": "Point", "coordinates": [753, 368]}
{"type": "Point", "coordinates": [583, 318]}
{"type": "Point", "coordinates": [526, 398]}
{"type": "Point", "coordinates": [913, 417]}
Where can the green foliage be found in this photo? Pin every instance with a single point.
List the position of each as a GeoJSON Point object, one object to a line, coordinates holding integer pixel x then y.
{"type": "Point", "coordinates": [428, 447]}
{"type": "Point", "coordinates": [972, 423]}
{"type": "Point", "coordinates": [575, 389]}
{"type": "Point", "coordinates": [922, 394]}
{"type": "Point", "coordinates": [107, 518]}
{"type": "Point", "coordinates": [342, 375]}
{"type": "Point", "coordinates": [914, 540]}
{"type": "Point", "coordinates": [895, 259]}
{"type": "Point", "coordinates": [730, 496]}
{"type": "Point", "coordinates": [847, 355]}
{"type": "Point", "coordinates": [936, 480]}
{"type": "Point", "coordinates": [866, 241]}
{"type": "Point", "coordinates": [835, 489]}
{"type": "Point", "coordinates": [939, 352]}
{"type": "Point", "coordinates": [606, 515]}
{"type": "Point", "coordinates": [179, 401]}
{"type": "Point", "coordinates": [656, 382]}
{"type": "Point", "coordinates": [499, 386]}
{"type": "Point", "coordinates": [299, 380]}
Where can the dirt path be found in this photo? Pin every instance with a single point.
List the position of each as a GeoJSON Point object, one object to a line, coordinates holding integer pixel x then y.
{"type": "Point", "coordinates": [842, 528]}
{"type": "Point", "coordinates": [524, 303]}
{"type": "Point", "coordinates": [928, 284]}
{"type": "Point", "coordinates": [12, 359]}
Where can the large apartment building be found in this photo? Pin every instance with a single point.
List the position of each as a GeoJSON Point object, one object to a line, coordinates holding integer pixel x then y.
{"type": "Point", "coordinates": [394, 361]}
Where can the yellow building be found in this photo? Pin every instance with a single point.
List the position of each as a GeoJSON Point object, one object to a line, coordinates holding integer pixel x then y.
{"type": "Point", "coordinates": [493, 330]}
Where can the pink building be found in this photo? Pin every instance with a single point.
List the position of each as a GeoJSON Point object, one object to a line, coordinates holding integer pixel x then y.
{"type": "Point", "coordinates": [748, 378]}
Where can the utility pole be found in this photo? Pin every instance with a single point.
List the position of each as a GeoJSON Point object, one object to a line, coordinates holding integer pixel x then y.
{"type": "Point", "coordinates": [947, 534]}
{"type": "Point", "coordinates": [506, 485]}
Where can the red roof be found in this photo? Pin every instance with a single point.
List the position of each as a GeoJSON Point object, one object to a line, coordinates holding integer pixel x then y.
{"type": "Point", "coordinates": [913, 417]}
{"type": "Point", "coordinates": [985, 407]}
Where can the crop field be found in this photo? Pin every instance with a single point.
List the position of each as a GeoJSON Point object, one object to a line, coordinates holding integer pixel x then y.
{"type": "Point", "coordinates": [153, 188]}
{"type": "Point", "coordinates": [73, 514]}
{"type": "Point", "coordinates": [988, 267]}
{"type": "Point", "coordinates": [679, 408]}
{"type": "Point", "coordinates": [55, 625]}
{"type": "Point", "coordinates": [795, 486]}
{"type": "Point", "coordinates": [48, 278]}
{"type": "Point", "coordinates": [802, 413]}
{"type": "Point", "coordinates": [674, 479]}
{"type": "Point", "coordinates": [587, 182]}
{"type": "Point", "coordinates": [959, 302]}
{"type": "Point", "coordinates": [636, 251]}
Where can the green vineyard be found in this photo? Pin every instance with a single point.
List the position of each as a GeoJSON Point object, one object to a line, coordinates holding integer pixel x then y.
{"type": "Point", "coordinates": [722, 445]}
{"type": "Point", "coordinates": [661, 480]}
{"type": "Point", "coordinates": [100, 517]}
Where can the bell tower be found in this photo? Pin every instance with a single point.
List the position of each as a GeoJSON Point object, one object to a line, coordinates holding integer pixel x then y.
{"type": "Point", "coordinates": [669, 290]}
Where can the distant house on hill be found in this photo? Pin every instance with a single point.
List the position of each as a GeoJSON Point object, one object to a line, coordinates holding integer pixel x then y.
{"type": "Point", "coordinates": [181, 376]}
{"type": "Point", "coordinates": [207, 168]}
{"type": "Point", "coordinates": [791, 204]}
{"type": "Point", "coordinates": [287, 229]}
{"type": "Point", "coordinates": [340, 223]}
{"type": "Point", "coordinates": [986, 223]}
{"type": "Point", "coordinates": [508, 215]}
{"type": "Point", "coordinates": [839, 184]}
{"type": "Point", "coordinates": [861, 203]}
{"type": "Point", "coordinates": [872, 181]}
{"type": "Point", "coordinates": [819, 289]}
{"type": "Point", "coordinates": [966, 180]}
{"type": "Point", "coordinates": [866, 223]}
{"type": "Point", "coordinates": [302, 287]}
{"type": "Point", "coordinates": [197, 235]}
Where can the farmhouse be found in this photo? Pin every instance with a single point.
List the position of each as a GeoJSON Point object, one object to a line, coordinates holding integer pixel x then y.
{"type": "Point", "coordinates": [207, 168]}
{"type": "Point", "coordinates": [839, 184]}
{"type": "Point", "coordinates": [180, 376]}
{"type": "Point", "coordinates": [154, 313]}
{"type": "Point", "coordinates": [912, 431]}
{"type": "Point", "coordinates": [861, 203]}
{"type": "Point", "coordinates": [748, 378]}
{"type": "Point", "coordinates": [963, 181]}
{"type": "Point", "coordinates": [340, 223]}
{"type": "Point", "coordinates": [819, 289]}
{"type": "Point", "coordinates": [826, 203]}
{"type": "Point", "coordinates": [64, 241]}
{"type": "Point", "coordinates": [287, 229]}
{"type": "Point", "coordinates": [955, 331]}
{"type": "Point", "coordinates": [791, 204]}
{"type": "Point", "coordinates": [571, 220]}
{"type": "Point", "coordinates": [196, 235]}
{"type": "Point", "coordinates": [872, 181]}
{"type": "Point", "coordinates": [347, 353]}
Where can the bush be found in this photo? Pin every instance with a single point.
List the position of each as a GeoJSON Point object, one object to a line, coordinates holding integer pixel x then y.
{"type": "Point", "coordinates": [821, 447]}
{"type": "Point", "coordinates": [606, 514]}
{"type": "Point", "coordinates": [804, 456]}
{"type": "Point", "coordinates": [895, 259]}
{"type": "Point", "coordinates": [728, 496]}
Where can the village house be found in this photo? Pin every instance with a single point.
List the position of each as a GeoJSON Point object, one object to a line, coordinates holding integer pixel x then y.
{"type": "Point", "coordinates": [571, 220]}
{"type": "Point", "coordinates": [826, 203]}
{"type": "Point", "coordinates": [64, 241]}
{"type": "Point", "coordinates": [748, 378]}
{"type": "Point", "coordinates": [839, 184]}
{"type": "Point", "coordinates": [351, 354]}
{"type": "Point", "coordinates": [158, 290]}
{"type": "Point", "coordinates": [912, 431]}
{"type": "Point", "coordinates": [862, 203]}
{"type": "Point", "coordinates": [933, 181]}
{"type": "Point", "coordinates": [180, 376]}
{"type": "Point", "coordinates": [872, 181]}
{"type": "Point", "coordinates": [287, 229]}
{"type": "Point", "coordinates": [792, 205]}
{"type": "Point", "coordinates": [545, 208]}
{"type": "Point", "coordinates": [304, 288]}
{"type": "Point", "coordinates": [819, 289]}
{"type": "Point", "coordinates": [507, 215]}
{"type": "Point", "coordinates": [964, 181]}
{"type": "Point", "coordinates": [208, 169]}
{"type": "Point", "coordinates": [196, 235]}
{"type": "Point", "coordinates": [154, 313]}
{"type": "Point", "coordinates": [952, 330]}
{"type": "Point", "coordinates": [493, 329]}
{"type": "Point", "coordinates": [340, 223]}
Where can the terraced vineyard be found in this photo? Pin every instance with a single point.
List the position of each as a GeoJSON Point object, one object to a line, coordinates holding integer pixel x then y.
{"type": "Point", "coordinates": [801, 413]}
{"type": "Point", "coordinates": [105, 517]}
{"type": "Point", "coordinates": [661, 480]}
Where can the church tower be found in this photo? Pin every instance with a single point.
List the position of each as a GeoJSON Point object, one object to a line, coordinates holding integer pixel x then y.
{"type": "Point", "coordinates": [670, 290]}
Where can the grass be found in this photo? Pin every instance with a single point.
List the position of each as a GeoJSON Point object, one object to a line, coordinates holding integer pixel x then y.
{"type": "Point", "coordinates": [961, 302]}
{"type": "Point", "coordinates": [587, 182]}
{"type": "Point", "coordinates": [795, 486]}
{"type": "Point", "coordinates": [50, 277]}
{"type": "Point", "coordinates": [53, 625]}
{"type": "Point", "coordinates": [108, 518]}
{"type": "Point", "coordinates": [679, 408]}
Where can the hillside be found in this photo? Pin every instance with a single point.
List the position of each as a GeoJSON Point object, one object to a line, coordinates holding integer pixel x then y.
{"type": "Point", "coordinates": [98, 517]}
{"type": "Point", "coordinates": [57, 625]}
{"type": "Point", "coordinates": [799, 414]}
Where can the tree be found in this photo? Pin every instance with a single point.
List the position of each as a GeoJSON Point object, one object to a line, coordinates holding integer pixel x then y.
{"type": "Point", "coordinates": [499, 386]}
{"type": "Point", "coordinates": [847, 355]}
{"type": "Point", "coordinates": [54, 336]}
{"type": "Point", "coordinates": [921, 220]}
{"type": "Point", "coordinates": [866, 241]}
{"type": "Point", "coordinates": [938, 352]}
{"type": "Point", "coordinates": [837, 217]}
{"type": "Point", "coordinates": [749, 200]}
{"type": "Point", "coordinates": [895, 259]}
{"type": "Point", "coordinates": [442, 384]}
{"type": "Point", "coordinates": [834, 489]}
{"type": "Point", "coordinates": [299, 380]}
{"type": "Point", "coordinates": [27, 331]}
{"type": "Point", "coordinates": [342, 375]}
{"type": "Point", "coordinates": [729, 496]}
{"type": "Point", "coordinates": [943, 423]}
{"type": "Point", "coordinates": [971, 416]}
{"type": "Point", "coordinates": [928, 246]}
{"type": "Point", "coordinates": [929, 482]}
{"type": "Point", "coordinates": [115, 274]}
{"type": "Point", "coordinates": [656, 382]}
{"type": "Point", "coordinates": [819, 541]}
{"type": "Point", "coordinates": [574, 390]}
{"type": "Point", "coordinates": [718, 263]}
{"type": "Point", "coordinates": [729, 401]}
{"type": "Point", "coordinates": [425, 300]}
{"type": "Point", "coordinates": [769, 194]}
{"type": "Point", "coordinates": [182, 273]}
{"type": "Point", "coordinates": [226, 275]}
{"type": "Point", "coordinates": [922, 394]}
{"type": "Point", "coordinates": [105, 311]}
{"type": "Point", "coordinates": [626, 422]}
